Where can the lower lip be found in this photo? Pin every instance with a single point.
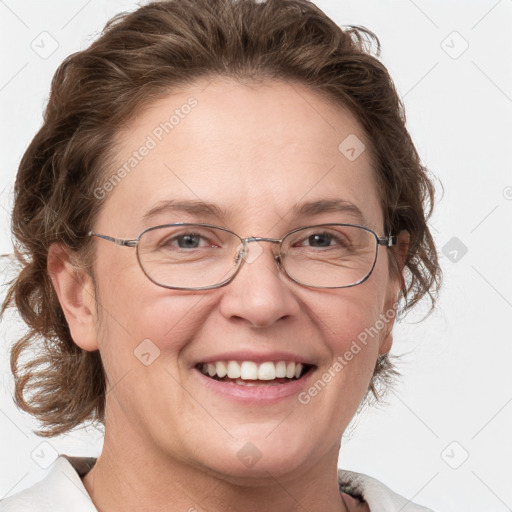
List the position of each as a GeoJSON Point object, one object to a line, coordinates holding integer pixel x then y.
{"type": "Point", "coordinates": [261, 393]}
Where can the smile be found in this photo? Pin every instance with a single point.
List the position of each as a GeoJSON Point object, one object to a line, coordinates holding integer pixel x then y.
{"type": "Point", "coordinates": [250, 373]}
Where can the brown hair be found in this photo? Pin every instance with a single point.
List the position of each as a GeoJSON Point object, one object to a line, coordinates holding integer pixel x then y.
{"type": "Point", "coordinates": [138, 58]}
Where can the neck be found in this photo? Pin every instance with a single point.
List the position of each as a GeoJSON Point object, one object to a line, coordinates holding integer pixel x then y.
{"type": "Point", "coordinates": [140, 477]}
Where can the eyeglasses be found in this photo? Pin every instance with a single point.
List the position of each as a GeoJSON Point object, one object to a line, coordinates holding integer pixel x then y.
{"type": "Point", "coordinates": [187, 256]}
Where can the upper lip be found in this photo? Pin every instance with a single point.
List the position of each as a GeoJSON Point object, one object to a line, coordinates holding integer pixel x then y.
{"type": "Point", "coordinates": [257, 357]}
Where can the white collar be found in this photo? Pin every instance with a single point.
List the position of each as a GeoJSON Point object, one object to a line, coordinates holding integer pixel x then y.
{"type": "Point", "coordinates": [62, 490]}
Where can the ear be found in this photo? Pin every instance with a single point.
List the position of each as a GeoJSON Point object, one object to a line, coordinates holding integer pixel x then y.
{"type": "Point", "coordinates": [400, 253]}
{"type": "Point", "coordinates": [401, 249]}
{"type": "Point", "coordinates": [74, 288]}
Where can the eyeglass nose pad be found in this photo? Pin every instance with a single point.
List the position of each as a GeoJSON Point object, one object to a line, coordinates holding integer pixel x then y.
{"type": "Point", "coordinates": [241, 252]}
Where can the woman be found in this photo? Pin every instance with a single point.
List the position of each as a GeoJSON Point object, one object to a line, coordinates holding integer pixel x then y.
{"type": "Point", "coordinates": [217, 223]}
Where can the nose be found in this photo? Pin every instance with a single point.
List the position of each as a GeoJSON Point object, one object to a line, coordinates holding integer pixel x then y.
{"type": "Point", "coordinates": [260, 293]}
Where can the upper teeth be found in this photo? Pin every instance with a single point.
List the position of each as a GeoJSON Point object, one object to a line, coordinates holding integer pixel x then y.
{"type": "Point", "coordinates": [249, 370]}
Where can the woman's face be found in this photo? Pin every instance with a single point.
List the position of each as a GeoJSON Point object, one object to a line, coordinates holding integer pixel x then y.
{"type": "Point", "coordinates": [257, 153]}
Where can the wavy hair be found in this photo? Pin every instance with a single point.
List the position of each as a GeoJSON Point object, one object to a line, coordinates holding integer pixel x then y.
{"type": "Point", "coordinates": [141, 57]}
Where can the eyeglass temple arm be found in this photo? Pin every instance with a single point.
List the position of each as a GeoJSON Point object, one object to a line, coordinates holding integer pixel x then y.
{"type": "Point", "coordinates": [388, 241]}
{"type": "Point", "coordinates": [117, 241]}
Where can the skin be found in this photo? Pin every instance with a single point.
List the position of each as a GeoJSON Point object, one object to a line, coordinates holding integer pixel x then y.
{"type": "Point", "coordinates": [254, 151]}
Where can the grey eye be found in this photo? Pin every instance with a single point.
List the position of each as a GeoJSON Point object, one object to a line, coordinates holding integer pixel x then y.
{"type": "Point", "coordinates": [320, 240]}
{"type": "Point", "coordinates": [189, 241]}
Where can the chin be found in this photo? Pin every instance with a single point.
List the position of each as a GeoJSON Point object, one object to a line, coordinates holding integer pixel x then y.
{"type": "Point", "coordinates": [254, 458]}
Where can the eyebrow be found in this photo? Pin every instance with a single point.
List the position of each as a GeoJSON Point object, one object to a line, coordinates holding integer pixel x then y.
{"type": "Point", "coordinates": [328, 206]}
{"type": "Point", "coordinates": [210, 210]}
{"type": "Point", "coordinates": [192, 207]}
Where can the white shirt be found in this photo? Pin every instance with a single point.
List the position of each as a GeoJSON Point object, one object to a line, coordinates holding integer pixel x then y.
{"type": "Point", "coordinates": [62, 490]}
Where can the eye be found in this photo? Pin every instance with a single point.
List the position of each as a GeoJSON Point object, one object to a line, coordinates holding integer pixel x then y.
{"type": "Point", "coordinates": [186, 241]}
{"type": "Point", "coordinates": [322, 239]}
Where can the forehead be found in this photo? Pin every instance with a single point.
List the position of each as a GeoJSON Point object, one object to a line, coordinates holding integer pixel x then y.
{"type": "Point", "coordinates": [256, 152]}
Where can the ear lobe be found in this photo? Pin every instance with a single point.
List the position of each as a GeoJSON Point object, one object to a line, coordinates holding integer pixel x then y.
{"type": "Point", "coordinates": [74, 289]}
{"type": "Point", "coordinates": [400, 251]}
{"type": "Point", "coordinates": [387, 341]}
{"type": "Point", "coordinates": [401, 248]}
{"type": "Point", "coordinates": [388, 317]}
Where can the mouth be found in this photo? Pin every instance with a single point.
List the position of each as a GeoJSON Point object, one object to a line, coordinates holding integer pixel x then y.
{"type": "Point", "coordinates": [250, 373]}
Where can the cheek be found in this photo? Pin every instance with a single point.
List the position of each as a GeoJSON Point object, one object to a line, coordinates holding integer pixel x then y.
{"type": "Point", "coordinates": [138, 317]}
{"type": "Point", "coordinates": [353, 323]}
{"type": "Point", "coordinates": [351, 312]}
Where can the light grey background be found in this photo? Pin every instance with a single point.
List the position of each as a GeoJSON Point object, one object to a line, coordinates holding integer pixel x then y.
{"type": "Point", "coordinates": [455, 399]}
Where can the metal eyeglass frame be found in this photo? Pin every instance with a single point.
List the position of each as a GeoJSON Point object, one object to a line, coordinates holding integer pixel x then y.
{"type": "Point", "coordinates": [387, 241]}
